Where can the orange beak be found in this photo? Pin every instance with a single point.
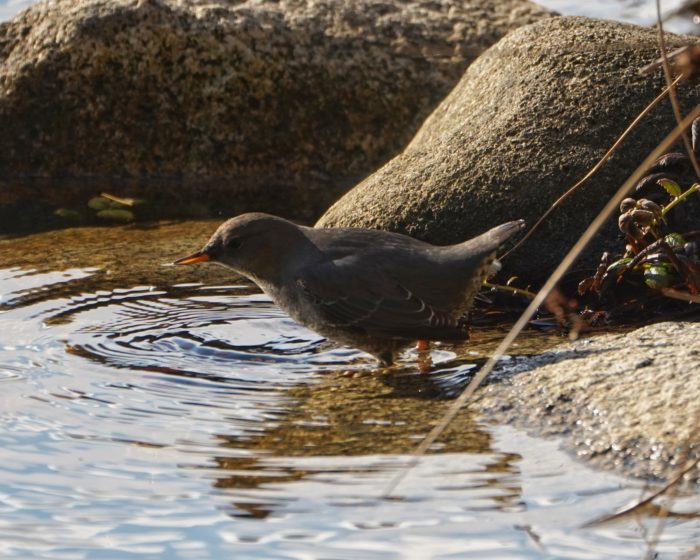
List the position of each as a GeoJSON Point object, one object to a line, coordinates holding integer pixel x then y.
{"type": "Point", "coordinates": [197, 257]}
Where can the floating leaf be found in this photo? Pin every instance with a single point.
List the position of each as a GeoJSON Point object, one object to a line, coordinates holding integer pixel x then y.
{"type": "Point", "coordinates": [117, 215]}
{"type": "Point", "coordinates": [98, 203]}
{"type": "Point", "coordinates": [68, 214]}
{"type": "Point", "coordinates": [671, 187]}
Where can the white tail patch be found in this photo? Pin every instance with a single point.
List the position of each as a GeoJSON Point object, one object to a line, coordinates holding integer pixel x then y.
{"type": "Point", "coordinates": [493, 267]}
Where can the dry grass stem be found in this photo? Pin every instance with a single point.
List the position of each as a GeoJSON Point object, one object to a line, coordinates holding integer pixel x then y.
{"type": "Point", "coordinates": [683, 296]}
{"type": "Point", "coordinates": [637, 507]}
{"type": "Point", "coordinates": [671, 84]}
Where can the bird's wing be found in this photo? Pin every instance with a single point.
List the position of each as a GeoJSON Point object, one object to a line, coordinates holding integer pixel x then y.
{"type": "Point", "coordinates": [363, 297]}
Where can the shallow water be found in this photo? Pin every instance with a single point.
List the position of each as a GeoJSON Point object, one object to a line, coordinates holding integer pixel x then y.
{"type": "Point", "coordinates": [641, 12]}
{"type": "Point", "coordinates": [159, 412]}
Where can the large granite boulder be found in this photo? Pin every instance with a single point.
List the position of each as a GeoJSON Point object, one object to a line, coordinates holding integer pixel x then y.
{"type": "Point", "coordinates": [271, 95]}
{"type": "Point", "coordinates": [527, 120]}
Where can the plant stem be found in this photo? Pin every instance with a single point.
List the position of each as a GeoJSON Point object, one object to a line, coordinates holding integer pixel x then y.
{"type": "Point", "coordinates": [695, 188]}
{"type": "Point", "coordinates": [509, 289]}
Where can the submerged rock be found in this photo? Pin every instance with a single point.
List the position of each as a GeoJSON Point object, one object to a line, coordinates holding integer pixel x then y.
{"type": "Point", "coordinates": [274, 96]}
{"type": "Point", "coordinates": [629, 402]}
{"type": "Point", "coordinates": [527, 120]}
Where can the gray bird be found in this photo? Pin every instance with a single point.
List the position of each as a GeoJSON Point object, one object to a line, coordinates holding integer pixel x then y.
{"type": "Point", "coordinates": [374, 290]}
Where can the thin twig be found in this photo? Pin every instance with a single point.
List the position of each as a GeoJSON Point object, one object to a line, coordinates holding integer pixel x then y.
{"type": "Point", "coordinates": [611, 206]}
{"type": "Point", "coordinates": [509, 289]}
{"type": "Point", "coordinates": [671, 83]}
{"type": "Point", "coordinates": [677, 294]}
{"type": "Point", "coordinates": [671, 493]}
{"type": "Point", "coordinates": [645, 502]}
{"type": "Point", "coordinates": [558, 202]}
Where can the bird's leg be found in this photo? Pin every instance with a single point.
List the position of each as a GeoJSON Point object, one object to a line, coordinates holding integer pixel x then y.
{"type": "Point", "coordinates": [424, 361]}
{"type": "Point", "coordinates": [386, 358]}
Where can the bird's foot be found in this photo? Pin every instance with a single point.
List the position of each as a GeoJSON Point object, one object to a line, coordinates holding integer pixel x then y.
{"type": "Point", "coordinates": [424, 360]}
{"type": "Point", "coordinates": [422, 346]}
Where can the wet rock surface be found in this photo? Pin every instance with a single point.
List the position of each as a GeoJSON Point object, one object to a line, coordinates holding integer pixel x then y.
{"type": "Point", "coordinates": [629, 402]}
{"type": "Point", "coordinates": [289, 101]}
{"type": "Point", "coordinates": [527, 120]}
{"type": "Point", "coordinates": [117, 257]}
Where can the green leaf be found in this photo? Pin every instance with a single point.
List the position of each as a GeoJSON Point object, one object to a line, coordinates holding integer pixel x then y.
{"type": "Point", "coordinates": [618, 265]}
{"type": "Point", "coordinates": [671, 187]}
{"type": "Point", "coordinates": [68, 214]}
{"type": "Point", "coordinates": [116, 215]}
{"type": "Point", "coordinates": [657, 277]}
{"type": "Point", "coordinates": [98, 203]}
{"type": "Point", "coordinates": [675, 240]}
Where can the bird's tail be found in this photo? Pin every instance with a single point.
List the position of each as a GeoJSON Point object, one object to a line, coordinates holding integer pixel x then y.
{"type": "Point", "coordinates": [491, 240]}
{"type": "Point", "coordinates": [500, 234]}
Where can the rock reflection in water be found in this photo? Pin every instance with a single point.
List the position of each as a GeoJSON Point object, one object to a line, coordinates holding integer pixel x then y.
{"type": "Point", "coordinates": [375, 413]}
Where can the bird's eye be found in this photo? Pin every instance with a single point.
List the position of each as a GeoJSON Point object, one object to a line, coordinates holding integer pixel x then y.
{"type": "Point", "coordinates": [233, 243]}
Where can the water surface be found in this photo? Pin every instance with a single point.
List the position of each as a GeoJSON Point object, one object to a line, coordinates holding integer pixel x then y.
{"type": "Point", "coordinates": [159, 412]}
{"type": "Point", "coordinates": [641, 12]}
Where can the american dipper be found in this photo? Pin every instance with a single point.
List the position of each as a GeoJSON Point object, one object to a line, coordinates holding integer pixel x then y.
{"type": "Point", "coordinates": [374, 290]}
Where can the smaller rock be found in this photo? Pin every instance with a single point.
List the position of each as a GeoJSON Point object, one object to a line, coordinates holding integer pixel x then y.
{"type": "Point", "coordinates": [612, 408]}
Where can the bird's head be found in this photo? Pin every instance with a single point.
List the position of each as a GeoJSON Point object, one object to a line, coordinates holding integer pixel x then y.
{"type": "Point", "coordinates": [253, 245]}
